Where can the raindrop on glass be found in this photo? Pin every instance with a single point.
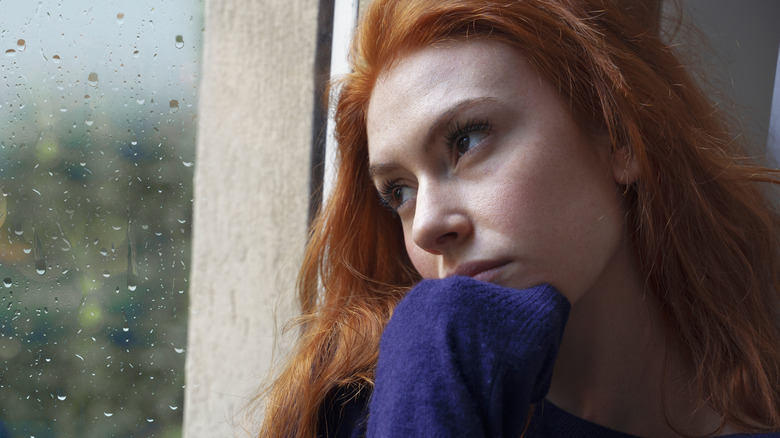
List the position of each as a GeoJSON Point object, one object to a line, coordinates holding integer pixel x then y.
{"type": "Point", "coordinates": [174, 105]}
{"type": "Point", "coordinates": [21, 45]}
{"type": "Point", "coordinates": [108, 414]}
{"type": "Point", "coordinates": [40, 263]}
{"type": "Point", "coordinates": [56, 59]}
{"type": "Point", "coordinates": [61, 397]}
{"type": "Point", "coordinates": [173, 408]}
{"type": "Point", "coordinates": [106, 274]}
{"type": "Point", "coordinates": [132, 267]}
{"type": "Point", "coordinates": [103, 251]}
{"type": "Point", "coordinates": [92, 79]}
{"type": "Point", "coordinates": [89, 122]}
{"type": "Point", "coordinates": [179, 41]}
{"type": "Point", "coordinates": [120, 18]}
{"type": "Point", "coordinates": [178, 350]}
{"type": "Point", "coordinates": [10, 52]}
{"type": "Point", "coordinates": [7, 282]}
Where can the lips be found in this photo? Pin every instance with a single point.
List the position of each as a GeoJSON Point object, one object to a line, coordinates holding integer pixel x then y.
{"type": "Point", "coordinates": [483, 270]}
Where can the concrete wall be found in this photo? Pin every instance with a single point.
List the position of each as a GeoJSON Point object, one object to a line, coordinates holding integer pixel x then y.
{"type": "Point", "coordinates": [251, 199]}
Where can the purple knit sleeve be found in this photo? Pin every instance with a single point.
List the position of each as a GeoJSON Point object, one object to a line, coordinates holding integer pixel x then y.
{"type": "Point", "coordinates": [465, 358]}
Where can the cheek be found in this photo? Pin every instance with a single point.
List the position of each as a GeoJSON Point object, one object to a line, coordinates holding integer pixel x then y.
{"type": "Point", "coordinates": [425, 263]}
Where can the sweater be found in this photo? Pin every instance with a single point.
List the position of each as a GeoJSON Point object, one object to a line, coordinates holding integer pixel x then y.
{"type": "Point", "coordinates": [463, 358]}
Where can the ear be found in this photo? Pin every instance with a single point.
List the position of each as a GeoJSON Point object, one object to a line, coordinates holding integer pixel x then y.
{"type": "Point", "coordinates": [625, 169]}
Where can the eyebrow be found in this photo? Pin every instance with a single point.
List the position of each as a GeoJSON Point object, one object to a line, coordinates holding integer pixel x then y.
{"type": "Point", "coordinates": [438, 124]}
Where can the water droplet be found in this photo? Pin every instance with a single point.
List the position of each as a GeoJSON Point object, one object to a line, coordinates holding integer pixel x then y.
{"type": "Point", "coordinates": [56, 59]}
{"type": "Point", "coordinates": [21, 45]}
{"type": "Point", "coordinates": [89, 122]}
{"type": "Point", "coordinates": [63, 109]}
{"type": "Point", "coordinates": [61, 397]}
{"type": "Point", "coordinates": [10, 52]}
{"type": "Point", "coordinates": [174, 104]}
{"type": "Point", "coordinates": [187, 163]}
{"type": "Point", "coordinates": [140, 101]}
{"type": "Point", "coordinates": [40, 262]}
{"type": "Point", "coordinates": [92, 79]}
{"type": "Point", "coordinates": [7, 282]}
{"type": "Point", "coordinates": [120, 18]}
{"type": "Point", "coordinates": [106, 274]}
{"type": "Point", "coordinates": [150, 420]}
{"type": "Point", "coordinates": [132, 267]}
{"type": "Point", "coordinates": [135, 53]}
{"type": "Point", "coordinates": [125, 329]}
{"type": "Point", "coordinates": [103, 251]}
{"type": "Point", "coordinates": [179, 41]}
{"type": "Point", "coordinates": [178, 350]}
{"type": "Point", "coordinates": [173, 408]}
{"type": "Point", "coordinates": [108, 414]}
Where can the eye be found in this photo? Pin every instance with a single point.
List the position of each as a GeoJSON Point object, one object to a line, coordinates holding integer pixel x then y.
{"type": "Point", "coordinates": [463, 138]}
{"type": "Point", "coordinates": [394, 194]}
{"type": "Point", "coordinates": [465, 142]}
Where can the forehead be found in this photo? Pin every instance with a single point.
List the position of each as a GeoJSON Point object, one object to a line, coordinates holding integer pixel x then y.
{"type": "Point", "coordinates": [435, 78]}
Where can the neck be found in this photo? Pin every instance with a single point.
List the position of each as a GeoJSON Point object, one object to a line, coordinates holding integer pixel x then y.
{"type": "Point", "coordinates": [610, 367]}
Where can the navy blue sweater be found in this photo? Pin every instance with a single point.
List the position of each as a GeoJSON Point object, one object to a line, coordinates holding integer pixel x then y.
{"type": "Point", "coordinates": [463, 358]}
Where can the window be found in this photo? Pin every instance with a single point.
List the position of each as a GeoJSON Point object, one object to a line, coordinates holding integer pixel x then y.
{"type": "Point", "coordinates": [97, 145]}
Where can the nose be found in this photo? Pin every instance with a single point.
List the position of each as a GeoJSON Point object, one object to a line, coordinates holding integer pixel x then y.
{"type": "Point", "coordinates": [441, 220]}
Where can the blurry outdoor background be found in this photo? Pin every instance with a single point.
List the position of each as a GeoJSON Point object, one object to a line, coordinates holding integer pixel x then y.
{"type": "Point", "coordinates": [97, 143]}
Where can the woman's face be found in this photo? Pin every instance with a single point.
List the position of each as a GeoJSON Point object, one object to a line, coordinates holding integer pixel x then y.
{"type": "Point", "coordinates": [489, 173]}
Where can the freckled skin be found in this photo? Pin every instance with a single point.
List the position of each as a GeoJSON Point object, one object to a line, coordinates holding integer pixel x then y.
{"type": "Point", "coordinates": [535, 193]}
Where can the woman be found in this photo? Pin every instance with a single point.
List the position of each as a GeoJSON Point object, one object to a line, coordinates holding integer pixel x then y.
{"type": "Point", "coordinates": [621, 249]}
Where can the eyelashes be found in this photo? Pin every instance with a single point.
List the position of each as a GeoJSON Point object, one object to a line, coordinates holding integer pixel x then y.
{"type": "Point", "coordinates": [393, 194]}
{"type": "Point", "coordinates": [461, 138]}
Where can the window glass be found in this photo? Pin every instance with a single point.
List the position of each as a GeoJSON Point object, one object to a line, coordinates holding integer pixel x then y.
{"type": "Point", "coordinates": [97, 145]}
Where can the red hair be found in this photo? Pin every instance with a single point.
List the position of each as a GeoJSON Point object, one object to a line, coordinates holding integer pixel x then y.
{"type": "Point", "coordinates": [700, 220]}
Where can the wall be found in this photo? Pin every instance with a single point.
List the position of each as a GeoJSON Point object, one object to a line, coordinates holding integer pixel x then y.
{"type": "Point", "coordinates": [251, 199]}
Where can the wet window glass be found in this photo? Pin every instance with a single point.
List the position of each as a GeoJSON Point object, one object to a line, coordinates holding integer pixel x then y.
{"type": "Point", "coordinates": [97, 145]}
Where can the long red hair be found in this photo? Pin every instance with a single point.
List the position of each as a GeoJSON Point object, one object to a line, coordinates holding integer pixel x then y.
{"type": "Point", "coordinates": [700, 219]}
